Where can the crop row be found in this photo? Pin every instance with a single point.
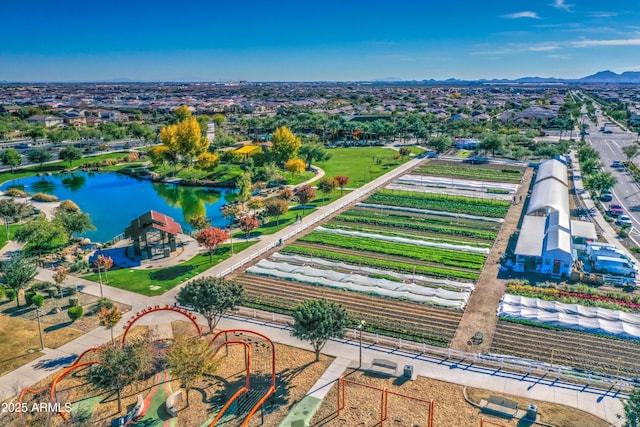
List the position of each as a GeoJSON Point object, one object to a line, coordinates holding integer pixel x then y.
{"type": "Point", "coordinates": [468, 260]}
{"type": "Point", "coordinates": [552, 294]}
{"type": "Point", "coordinates": [453, 222]}
{"type": "Point", "coordinates": [578, 349]}
{"type": "Point", "coordinates": [441, 202]}
{"type": "Point", "coordinates": [401, 319]}
{"type": "Point", "coordinates": [386, 264]}
{"type": "Point", "coordinates": [391, 231]}
{"type": "Point", "coordinates": [486, 174]}
{"type": "Point", "coordinates": [415, 225]}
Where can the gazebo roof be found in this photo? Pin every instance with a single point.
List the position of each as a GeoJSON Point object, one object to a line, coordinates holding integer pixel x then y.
{"type": "Point", "coordinates": [152, 220]}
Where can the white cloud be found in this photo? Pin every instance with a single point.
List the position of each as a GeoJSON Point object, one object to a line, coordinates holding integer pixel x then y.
{"type": "Point", "coordinates": [604, 14]}
{"type": "Point", "coordinates": [610, 42]}
{"type": "Point", "coordinates": [560, 4]}
{"type": "Point", "coordinates": [543, 48]}
{"type": "Point", "coordinates": [525, 14]}
{"type": "Point", "coordinates": [561, 57]}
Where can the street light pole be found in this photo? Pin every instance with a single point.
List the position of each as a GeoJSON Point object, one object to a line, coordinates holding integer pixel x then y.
{"type": "Point", "coordinates": [100, 278]}
{"type": "Point", "coordinates": [40, 328]}
{"type": "Point", "coordinates": [360, 325]}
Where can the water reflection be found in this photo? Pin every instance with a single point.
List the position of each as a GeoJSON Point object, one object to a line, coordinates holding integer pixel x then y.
{"type": "Point", "coordinates": [191, 200]}
{"type": "Point", "coordinates": [43, 186]}
{"type": "Point", "coordinates": [74, 182]}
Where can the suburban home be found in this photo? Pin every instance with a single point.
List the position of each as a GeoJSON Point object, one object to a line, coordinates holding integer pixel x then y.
{"type": "Point", "coordinates": [46, 121]}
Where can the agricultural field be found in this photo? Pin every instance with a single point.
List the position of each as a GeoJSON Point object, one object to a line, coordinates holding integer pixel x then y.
{"type": "Point", "coordinates": [486, 172]}
{"type": "Point", "coordinates": [603, 324]}
{"type": "Point", "coordinates": [404, 261]}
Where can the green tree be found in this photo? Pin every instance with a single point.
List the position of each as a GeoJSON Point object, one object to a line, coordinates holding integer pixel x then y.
{"type": "Point", "coordinates": [42, 234]}
{"type": "Point", "coordinates": [492, 142]}
{"type": "Point", "coordinates": [10, 210]}
{"type": "Point", "coordinates": [39, 156]}
{"type": "Point", "coordinates": [316, 321]}
{"type": "Point", "coordinates": [182, 113]}
{"type": "Point", "coordinates": [69, 154]}
{"type": "Point", "coordinates": [243, 184]}
{"type": "Point", "coordinates": [285, 145]}
{"type": "Point", "coordinates": [631, 151]}
{"type": "Point", "coordinates": [211, 297]}
{"type": "Point", "coordinates": [314, 153]}
{"type": "Point", "coordinates": [404, 151]}
{"type": "Point", "coordinates": [587, 153]}
{"type": "Point", "coordinates": [631, 408]}
{"type": "Point", "coordinates": [17, 273]}
{"type": "Point", "coordinates": [189, 359]}
{"type": "Point", "coordinates": [441, 143]}
{"type": "Point", "coordinates": [37, 301]}
{"type": "Point", "coordinates": [600, 182]}
{"type": "Point", "coordinates": [218, 119]}
{"type": "Point", "coordinates": [73, 222]}
{"type": "Point", "coordinates": [276, 208]}
{"type": "Point", "coordinates": [10, 157]}
{"type": "Point", "coordinates": [121, 366]}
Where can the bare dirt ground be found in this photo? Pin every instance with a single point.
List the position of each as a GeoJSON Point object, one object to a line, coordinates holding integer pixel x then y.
{"type": "Point", "coordinates": [480, 313]}
{"type": "Point", "coordinates": [362, 406]}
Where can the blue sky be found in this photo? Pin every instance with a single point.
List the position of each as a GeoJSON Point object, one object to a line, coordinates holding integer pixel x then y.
{"type": "Point", "coordinates": [70, 40]}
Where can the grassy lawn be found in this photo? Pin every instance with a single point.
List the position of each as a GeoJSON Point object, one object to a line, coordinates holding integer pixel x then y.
{"type": "Point", "coordinates": [20, 341]}
{"type": "Point", "coordinates": [464, 153]}
{"type": "Point", "coordinates": [3, 233]}
{"type": "Point", "coordinates": [360, 164]}
{"type": "Point", "coordinates": [56, 166]}
{"type": "Point", "coordinates": [416, 150]}
{"type": "Point", "coordinates": [299, 177]}
{"type": "Point", "coordinates": [158, 281]}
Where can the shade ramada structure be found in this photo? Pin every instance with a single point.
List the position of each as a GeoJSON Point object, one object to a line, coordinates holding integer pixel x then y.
{"type": "Point", "coordinates": [153, 232]}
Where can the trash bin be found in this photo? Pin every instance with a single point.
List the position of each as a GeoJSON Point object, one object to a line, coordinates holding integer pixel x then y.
{"type": "Point", "coordinates": [532, 411]}
{"type": "Point", "coordinates": [408, 371]}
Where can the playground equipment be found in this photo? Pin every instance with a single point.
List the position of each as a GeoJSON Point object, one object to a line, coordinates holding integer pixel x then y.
{"type": "Point", "coordinates": [260, 381]}
{"type": "Point", "coordinates": [260, 377]}
{"type": "Point", "coordinates": [345, 384]}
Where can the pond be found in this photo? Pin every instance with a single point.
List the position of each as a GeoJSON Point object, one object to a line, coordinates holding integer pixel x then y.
{"type": "Point", "coordinates": [113, 200]}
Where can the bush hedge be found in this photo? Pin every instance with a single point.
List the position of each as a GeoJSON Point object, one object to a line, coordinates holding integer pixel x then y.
{"type": "Point", "coordinates": [43, 197]}
{"type": "Point", "coordinates": [75, 313]}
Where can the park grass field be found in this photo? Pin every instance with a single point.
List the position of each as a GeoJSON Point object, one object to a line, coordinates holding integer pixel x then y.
{"type": "Point", "coordinates": [158, 281]}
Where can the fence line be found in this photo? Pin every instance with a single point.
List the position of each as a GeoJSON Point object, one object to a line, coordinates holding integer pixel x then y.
{"type": "Point", "coordinates": [502, 363]}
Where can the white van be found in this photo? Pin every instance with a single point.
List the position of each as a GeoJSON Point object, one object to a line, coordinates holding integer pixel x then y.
{"type": "Point", "coordinates": [617, 266]}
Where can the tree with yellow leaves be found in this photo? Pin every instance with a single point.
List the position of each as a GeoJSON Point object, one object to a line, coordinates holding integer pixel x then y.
{"type": "Point", "coordinates": [295, 166]}
{"type": "Point", "coordinates": [182, 113]}
{"type": "Point", "coordinates": [208, 160]}
{"type": "Point", "coordinates": [169, 138]}
{"type": "Point", "coordinates": [285, 145]}
{"type": "Point", "coordinates": [190, 141]}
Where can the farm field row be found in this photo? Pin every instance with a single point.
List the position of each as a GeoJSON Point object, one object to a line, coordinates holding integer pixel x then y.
{"type": "Point", "coordinates": [500, 174]}
{"type": "Point", "coordinates": [596, 352]}
{"type": "Point", "coordinates": [403, 319]}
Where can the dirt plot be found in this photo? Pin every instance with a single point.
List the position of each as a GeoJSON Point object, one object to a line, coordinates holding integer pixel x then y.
{"type": "Point", "coordinates": [362, 406]}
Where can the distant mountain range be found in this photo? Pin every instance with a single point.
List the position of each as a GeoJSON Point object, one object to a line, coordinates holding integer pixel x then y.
{"type": "Point", "coordinates": [602, 77]}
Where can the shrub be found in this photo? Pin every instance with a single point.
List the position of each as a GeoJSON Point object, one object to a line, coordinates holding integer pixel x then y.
{"type": "Point", "coordinates": [15, 192]}
{"type": "Point", "coordinates": [52, 292]}
{"type": "Point", "coordinates": [10, 294]}
{"type": "Point", "coordinates": [78, 266]}
{"type": "Point", "coordinates": [75, 313]}
{"type": "Point", "coordinates": [69, 206]}
{"type": "Point", "coordinates": [71, 290]}
{"type": "Point", "coordinates": [73, 302]}
{"type": "Point", "coordinates": [104, 303]}
{"type": "Point", "coordinates": [28, 297]}
{"type": "Point", "coordinates": [43, 197]}
{"type": "Point", "coordinates": [3, 293]}
{"type": "Point", "coordinates": [109, 162]}
{"type": "Point", "coordinates": [635, 250]}
{"type": "Point", "coordinates": [132, 157]}
{"type": "Point", "coordinates": [37, 300]}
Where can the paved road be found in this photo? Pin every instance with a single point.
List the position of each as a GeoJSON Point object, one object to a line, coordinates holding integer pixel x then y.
{"type": "Point", "coordinates": [626, 192]}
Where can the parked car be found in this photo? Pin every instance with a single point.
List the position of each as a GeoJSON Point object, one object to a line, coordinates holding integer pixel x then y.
{"type": "Point", "coordinates": [606, 197]}
{"type": "Point", "coordinates": [624, 221]}
{"type": "Point", "coordinates": [607, 131]}
{"type": "Point", "coordinates": [615, 209]}
{"type": "Point", "coordinates": [617, 164]}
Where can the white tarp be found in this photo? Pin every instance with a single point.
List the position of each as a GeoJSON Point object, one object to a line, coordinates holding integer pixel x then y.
{"type": "Point", "coordinates": [429, 212]}
{"type": "Point", "coordinates": [424, 180]}
{"type": "Point", "coordinates": [416, 242]}
{"type": "Point", "coordinates": [358, 283]}
{"type": "Point", "coordinates": [415, 278]}
{"type": "Point", "coordinates": [573, 316]}
{"type": "Point", "coordinates": [451, 191]}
